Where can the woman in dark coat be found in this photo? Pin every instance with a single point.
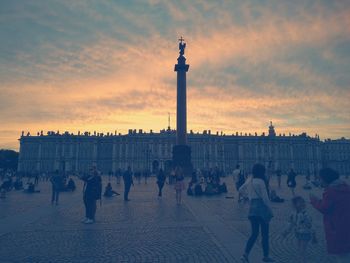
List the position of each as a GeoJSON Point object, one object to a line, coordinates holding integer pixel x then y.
{"type": "Point", "coordinates": [335, 207]}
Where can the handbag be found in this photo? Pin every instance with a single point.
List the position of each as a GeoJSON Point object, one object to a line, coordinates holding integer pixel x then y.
{"type": "Point", "coordinates": [262, 210]}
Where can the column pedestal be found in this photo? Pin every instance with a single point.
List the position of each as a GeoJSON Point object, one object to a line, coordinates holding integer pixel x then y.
{"type": "Point", "coordinates": [182, 158]}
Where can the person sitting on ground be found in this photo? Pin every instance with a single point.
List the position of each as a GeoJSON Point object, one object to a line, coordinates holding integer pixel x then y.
{"type": "Point", "coordinates": [18, 184]}
{"type": "Point", "coordinates": [109, 192]}
{"type": "Point", "coordinates": [275, 198]}
{"type": "Point", "coordinates": [7, 184]}
{"type": "Point", "coordinates": [307, 185]}
{"type": "Point", "coordinates": [70, 185]}
{"type": "Point", "coordinates": [222, 188]}
{"type": "Point", "coordinates": [31, 189]}
{"type": "Point", "coordinates": [210, 189]}
{"type": "Point", "coordinates": [189, 189]}
{"type": "Point", "coordinates": [198, 190]}
{"type": "Point", "coordinates": [194, 179]}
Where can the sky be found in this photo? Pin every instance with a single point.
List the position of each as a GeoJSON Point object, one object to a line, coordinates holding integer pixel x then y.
{"type": "Point", "coordinates": [98, 65]}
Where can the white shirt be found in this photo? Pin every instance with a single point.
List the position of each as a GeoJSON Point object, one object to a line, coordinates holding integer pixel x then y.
{"type": "Point", "coordinates": [236, 173]}
{"type": "Point", "coordinates": [255, 188]}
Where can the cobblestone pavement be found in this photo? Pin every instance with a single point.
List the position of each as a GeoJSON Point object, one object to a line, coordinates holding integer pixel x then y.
{"type": "Point", "coordinates": [146, 229]}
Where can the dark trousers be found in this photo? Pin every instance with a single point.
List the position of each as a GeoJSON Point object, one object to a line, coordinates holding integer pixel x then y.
{"type": "Point", "coordinates": [160, 188]}
{"type": "Point", "coordinates": [126, 191]}
{"type": "Point", "coordinates": [90, 208]}
{"type": "Point", "coordinates": [55, 195]}
{"type": "Point", "coordinates": [256, 223]}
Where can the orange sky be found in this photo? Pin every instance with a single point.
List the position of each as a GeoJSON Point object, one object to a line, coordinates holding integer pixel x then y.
{"type": "Point", "coordinates": [110, 67]}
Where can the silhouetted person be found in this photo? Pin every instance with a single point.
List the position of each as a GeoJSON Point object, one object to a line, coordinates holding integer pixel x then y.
{"type": "Point", "coordinates": [194, 179]}
{"type": "Point", "coordinates": [335, 207]}
{"type": "Point", "coordinates": [128, 181]}
{"type": "Point", "coordinates": [275, 198]}
{"type": "Point", "coordinates": [260, 212]}
{"type": "Point", "coordinates": [291, 182]}
{"type": "Point", "coordinates": [7, 184]}
{"type": "Point", "coordinates": [36, 179]}
{"type": "Point", "coordinates": [138, 177]}
{"type": "Point", "coordinates": [109, 192]}
{"type": "Point", "coordinates": [160, 181]}
{"type": "Point", "coordinates": [92, 192]}
{"type": "Point", "coordinates": [240, 179]}
{"type": "Point", "coordinates": [56, 182]}
{"type": "Point", "coordinates": [279, 177]}
{"type": "Point", "coordinates": [146, 175]}
{"type": "Point", "coordinates": [179, 184]}
{"type": "Point", "coordinates": [31, 189]}
{"type": "Point", "coordinates": [71, 185]}
{"type": "Point", "coordinates": [118, 175]}
{"type": "Point", "coordinates": [18, 184]}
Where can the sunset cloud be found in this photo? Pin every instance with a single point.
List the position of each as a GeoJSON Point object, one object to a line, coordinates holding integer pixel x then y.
{"type": "Point", "coordinates": [74, 65]}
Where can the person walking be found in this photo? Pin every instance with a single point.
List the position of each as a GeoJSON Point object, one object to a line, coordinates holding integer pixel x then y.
{"type": "Point", "coordinates": [179, 184]}
{"type": "Point", "coordinates": [291, 182]}
{"type": "Point", "coordinates": [118, 175]}
{"type": "Point", "coordinates": [36, 179]}
{"type": "Point", "coordinates": [128, 181]}
{"type": "Point", "coordinates": [260, 212]}
{"type": "Point", "coordinates": [269, 174]}
{"type": "Point", "coordinates": [160, 181]}
{"type": "Point", "coordinates": [56, 182]}
{"type": "Point", "coordinates": [146, 175]}
{"type": "Point", "coordinates": [91, 193]}
{"type": "Point", "coordinates": [335, 207]}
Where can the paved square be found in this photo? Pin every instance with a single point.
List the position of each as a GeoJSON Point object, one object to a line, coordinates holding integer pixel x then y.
{"type": "Point", "coordinates": [146, 229]}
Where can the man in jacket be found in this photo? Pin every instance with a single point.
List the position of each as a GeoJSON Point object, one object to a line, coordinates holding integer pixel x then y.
{"type": "Point", "coordinates": [56, 181]}
{"type": "Point", "coordinates": [92, 192]}
{"type": "Point", "coordinates": [128, 181]}
{"type": "Point", "coordinates": [335, 207]}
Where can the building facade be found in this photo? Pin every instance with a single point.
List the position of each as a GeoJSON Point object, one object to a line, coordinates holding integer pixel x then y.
{"type": "Point", "coordinates": [145, 150]}
{"type": "Point", "coordinates": [336, 155]}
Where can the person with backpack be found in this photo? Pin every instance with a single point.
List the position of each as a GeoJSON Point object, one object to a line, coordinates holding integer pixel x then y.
{"type": "Point", "coordinates": [92, 192]}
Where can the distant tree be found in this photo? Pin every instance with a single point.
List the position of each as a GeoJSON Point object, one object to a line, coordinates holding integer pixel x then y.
{"type": "Point", "coordinates": [8, 159]}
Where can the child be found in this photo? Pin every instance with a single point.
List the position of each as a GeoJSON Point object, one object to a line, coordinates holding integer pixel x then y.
{"type": "Point", "coordinates": [301, 223]}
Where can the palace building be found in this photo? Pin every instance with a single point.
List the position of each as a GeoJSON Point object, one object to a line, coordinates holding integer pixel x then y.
{"type": "Point", "coordinates": [145, 150]}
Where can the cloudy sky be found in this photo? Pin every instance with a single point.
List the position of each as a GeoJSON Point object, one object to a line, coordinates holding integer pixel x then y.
{"type": "Point", "coordinates": [109, 65]}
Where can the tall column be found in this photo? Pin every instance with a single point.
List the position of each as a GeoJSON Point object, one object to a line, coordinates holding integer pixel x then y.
{"type": "Point", "coordinates": [181, 151]}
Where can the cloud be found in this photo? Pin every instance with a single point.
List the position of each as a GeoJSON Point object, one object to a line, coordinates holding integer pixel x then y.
{"type": "Point", "coordinates": [100, 65]}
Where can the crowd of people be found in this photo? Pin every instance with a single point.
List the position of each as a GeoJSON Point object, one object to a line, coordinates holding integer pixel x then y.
{"type": "Point", "coordinates": [15, 181]}
{"type": "Point", "coordinates": [335, 207]}
{"type": "Point", "coordinates": [254, 187]}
